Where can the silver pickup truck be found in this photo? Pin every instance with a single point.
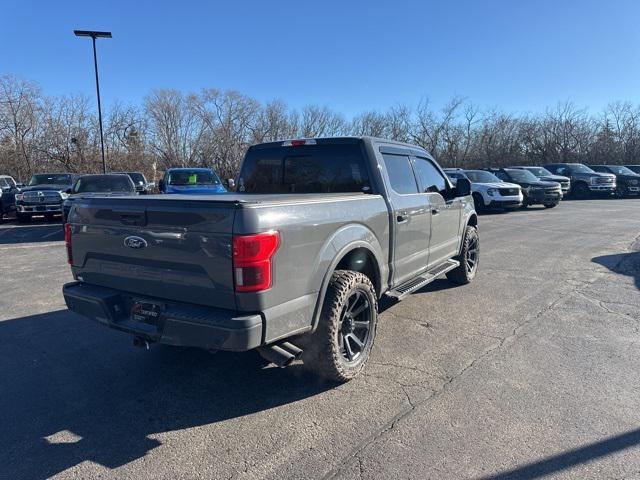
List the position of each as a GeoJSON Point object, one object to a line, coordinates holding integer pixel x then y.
{"type": "Point", "coordinates": [292, 264]}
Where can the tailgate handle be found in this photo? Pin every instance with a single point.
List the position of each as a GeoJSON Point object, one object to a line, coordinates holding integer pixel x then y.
{"type": "Point", "coordinates": [128, 217]}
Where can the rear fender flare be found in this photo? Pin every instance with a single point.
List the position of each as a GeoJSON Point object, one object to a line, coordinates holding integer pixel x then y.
{"type": "Point", "coordinates": [343, 241]}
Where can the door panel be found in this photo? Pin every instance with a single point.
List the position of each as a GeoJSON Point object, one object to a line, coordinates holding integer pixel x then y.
{"type": "Point", "coordinates": [445, 213]}
{"type": "Point", "coordinates": [411, 217]}
{"type": "Point", "coordinates": [445, 226]}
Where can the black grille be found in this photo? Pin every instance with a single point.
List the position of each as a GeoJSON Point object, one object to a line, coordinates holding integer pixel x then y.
{"type": "Point", "coordinates": [604, 180]}
{"type": "Point", "coordinates": [507, 192]}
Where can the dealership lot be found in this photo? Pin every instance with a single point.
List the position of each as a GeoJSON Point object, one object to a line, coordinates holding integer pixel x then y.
{"type": "Point", "coordinates": [532, 369]}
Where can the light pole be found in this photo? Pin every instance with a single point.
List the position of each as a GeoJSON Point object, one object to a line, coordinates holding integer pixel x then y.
{"type": "Point", "coordinates": [94, 35]}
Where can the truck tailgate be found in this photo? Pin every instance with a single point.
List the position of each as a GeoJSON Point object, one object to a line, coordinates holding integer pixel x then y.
{"type": "Point", "coordinates": [157, 247]}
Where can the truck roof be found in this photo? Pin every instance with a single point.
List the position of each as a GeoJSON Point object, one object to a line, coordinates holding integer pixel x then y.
{"type": "Point", "coordinates": [340, 140]}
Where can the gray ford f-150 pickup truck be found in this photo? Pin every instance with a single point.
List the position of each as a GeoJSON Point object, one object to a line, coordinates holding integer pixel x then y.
{"type": "Point", "coordinates": [292, 264]}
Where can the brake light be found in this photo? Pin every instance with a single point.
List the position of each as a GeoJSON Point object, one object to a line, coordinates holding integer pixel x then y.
{"type": "Point", "coordinates": [299, 143]}
{"type": "Point", "coordinates": [67, 242]}
{"type": "Point", "coordinates": [252, 260]}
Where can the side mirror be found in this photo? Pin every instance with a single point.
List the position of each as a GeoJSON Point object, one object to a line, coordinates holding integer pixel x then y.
{"type": "Point", "coordinates": [161, 185]}
{"type": "Point", "coordinates": [68, 191]}
{"type": "Point", "coordinates": [231, 183]}
{"type": "Point", "coordinates": [463, 187]}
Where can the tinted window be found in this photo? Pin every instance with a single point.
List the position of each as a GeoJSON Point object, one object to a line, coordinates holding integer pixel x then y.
{"type": "Point", "coordinates": [193, 177]}
{"type": "Point", "coordinates": [43, 179]}
{"type": "Point", "coordinates": [502, 176]}
{"type": "Point", "coordinates": [4, 183]}
{"type": "Point", "coordinates": [323, 168]}
{"type": "Point", "coordinates": [400, 173]}
{"type": "Point", "coordinates": [522, 175]}
{"type": "Point", "coordinates": [481, 176]}
{"type": "Point", "coordinates": [600, 169]}
{"type": "Point", "coordinates": [539, 171]}
{"type": "Point", "coordinates": [103, 183]}
{"type": "Point", "coordinates": [619, 170]}
{"type": "Point", "coordinates": [429, 176]}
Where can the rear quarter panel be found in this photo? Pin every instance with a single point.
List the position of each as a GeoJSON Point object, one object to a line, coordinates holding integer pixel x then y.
{"type": "Point", "coordinates": [314, 235]}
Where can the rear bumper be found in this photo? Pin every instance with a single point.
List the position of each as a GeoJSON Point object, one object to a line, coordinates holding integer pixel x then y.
{"type": "Point", "coordinates": [179, 323]}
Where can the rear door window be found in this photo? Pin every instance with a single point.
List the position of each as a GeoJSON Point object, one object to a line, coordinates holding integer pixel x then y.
{"type": "Point", "coordinates": [400, 173]}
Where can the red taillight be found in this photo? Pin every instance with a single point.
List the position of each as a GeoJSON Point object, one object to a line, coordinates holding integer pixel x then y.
{"type": "Point", "coordinates": [252, 260]}
{"type": "Point", "coordinates": [299, 143]}
{"type": "Point", "coordinates": [67, 242]}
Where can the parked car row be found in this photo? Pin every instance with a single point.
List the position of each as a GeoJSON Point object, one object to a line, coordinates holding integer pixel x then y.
{"type": "Point", "coordinates": [52, 194]}
{"type": "Point", "coordinates": [521, 186]}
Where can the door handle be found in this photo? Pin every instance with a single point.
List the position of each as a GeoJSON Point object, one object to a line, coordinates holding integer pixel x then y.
{"type": "Point", "coordinates": [435, 211]}
{"type": "Point", "coordinates": [402, 217]}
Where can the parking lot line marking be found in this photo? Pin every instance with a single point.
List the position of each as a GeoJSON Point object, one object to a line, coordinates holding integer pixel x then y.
{"type": "Point", "coordinates": [37, 245]}
{"type": "Point", "coordinates": [51, 234]}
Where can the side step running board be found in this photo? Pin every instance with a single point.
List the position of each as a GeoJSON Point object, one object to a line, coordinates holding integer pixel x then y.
{"type": "Point", "coordinates": [420, 281]}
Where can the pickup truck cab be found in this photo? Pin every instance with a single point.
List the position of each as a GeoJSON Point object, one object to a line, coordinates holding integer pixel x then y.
{"type": "Point", "coordinates": [627, 181]}
{"type": "Point", "coordinates": [191, 181]}
{"type": "Point", "coordinates": [8, 190]}
{"type": "Point", "coordinates": [110, 184]}
{"type": "Point", "coordinates": [142, 185]}
{"type": "Point", "coordinates": [43, 195]}
{"type": "Point", "coordinates": [293, 264]}
{"type": "Point", "coordinates": [584, 181]}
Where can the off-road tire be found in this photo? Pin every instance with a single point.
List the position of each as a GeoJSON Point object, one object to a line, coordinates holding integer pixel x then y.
{"type": "Point", "coordinates": [322, 353]}
{"type": "Point", "coordinates": [463, 274]}
{"type": "Point", "coordinates": [550, 205]}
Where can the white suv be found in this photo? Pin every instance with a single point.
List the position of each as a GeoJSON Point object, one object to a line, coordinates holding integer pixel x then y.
{"type": "Point", "coordinates": [489, 192]}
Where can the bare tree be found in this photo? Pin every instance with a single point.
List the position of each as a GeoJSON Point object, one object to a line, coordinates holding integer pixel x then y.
{"type": "Point", "coordinates": [20, 108]}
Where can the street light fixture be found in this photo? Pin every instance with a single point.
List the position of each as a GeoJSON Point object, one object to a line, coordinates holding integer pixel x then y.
{"type": "Point", "coordinates": [94, 35]}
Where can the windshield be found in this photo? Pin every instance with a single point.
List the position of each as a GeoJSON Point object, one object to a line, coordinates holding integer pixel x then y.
{"type": "Point", "coordinates": [522, 175]}
{"type": "Point", "coordinates": [55, 179]}
{"type": "Point", "coordinates": [103, 183]}
{"type": "Point", "coordinates": [480, 176]}
{"type": "Point", "coordinates": [539, 171]}
{"type": "Point", "coordinates": [455, 175]}
{"type": "Point", "coordinates": [579, 168]}
{"type": "Point", "coordinates": [620, 170]}
{"type": "Point", "coordinates": [190, 178]}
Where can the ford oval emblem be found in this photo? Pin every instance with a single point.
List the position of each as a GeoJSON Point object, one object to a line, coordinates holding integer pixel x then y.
{"type": "Point", "coordinates": [135, 242]}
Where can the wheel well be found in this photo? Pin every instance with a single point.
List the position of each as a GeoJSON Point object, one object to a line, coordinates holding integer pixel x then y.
{"type": "Point", "coordinates": [473, 220]}
{"type": "Point", "coordinates": [363, 261]}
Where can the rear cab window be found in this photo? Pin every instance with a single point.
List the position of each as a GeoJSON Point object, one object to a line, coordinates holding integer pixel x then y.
{"type": "Point", "coordinates": [310, 168]}
{"type": "Point", "coordinates": [401, 177]}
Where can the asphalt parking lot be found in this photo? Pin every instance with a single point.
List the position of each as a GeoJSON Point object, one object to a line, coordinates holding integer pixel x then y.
{"type": "Point", "coordinates": [531, 370]}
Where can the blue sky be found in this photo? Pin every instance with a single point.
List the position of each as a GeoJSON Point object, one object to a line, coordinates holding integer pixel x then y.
{"type": "Point", "coordinates": [516, 55]}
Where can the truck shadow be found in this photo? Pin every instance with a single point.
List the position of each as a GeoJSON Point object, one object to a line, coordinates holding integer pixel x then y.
{"type": "Point", "coordinates": [74, 391]}
{"type": "Point", "coordinates": [622, 263]}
